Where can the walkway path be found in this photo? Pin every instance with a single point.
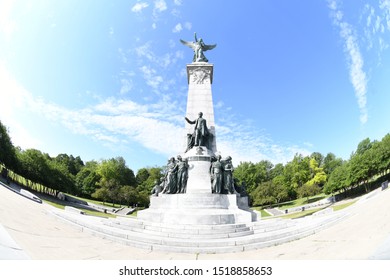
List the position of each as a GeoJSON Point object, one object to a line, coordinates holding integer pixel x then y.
{"type": "Point", "coordinates": [365, 234]}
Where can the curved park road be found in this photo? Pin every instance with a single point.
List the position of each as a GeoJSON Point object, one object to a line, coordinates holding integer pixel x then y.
{"type": "Point", "coordinates": [29, 230]}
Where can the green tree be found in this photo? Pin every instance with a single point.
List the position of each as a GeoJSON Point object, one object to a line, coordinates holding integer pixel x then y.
{"type": "Point", "coordinates": [116, 169]}
{"type": "Point", "coordinates": [318, 157]}
{"type": "Point", "coordinates": [7, 150]}
{"type": "Point", "coordinates": [331, 162]}
{"type": "Point", "coordinates": [308, 190]}
{"type": "Point", "coordinates": [34, 166]}
{"type": "Point", "coordinates": [253, 174]}
{"type": "Point", "coordinates": [71, 163]}
{"type": "Point", "coordinates": [296, 173]}
{"type": "Point", "coordinates": [114, 174]}
{"type": "Point", "coordinates": [338, 180]}
{"type": "Point", "coordinates": [101, 194]}
{"type": "Point", "coordinates": [129, 195]}
{"type": "Point", "coordinates": [282, 191]}
{"type": "Point", "coordinates": [40, 168]}
{"type": "Point", "coordinates": [363, 146]}
{"type": "Point", "coordinates": [277, 170]}
{"type": "Point", "coordinates": [147, 177]}
{"type": "Point", "coordinates": [318, 176]}
{"type": "Point", "coordinates": [87, 179]}
{"type": "Point", "coordinates": [384, 152]}
{"type": "Point", "coordinates": [264, 194]}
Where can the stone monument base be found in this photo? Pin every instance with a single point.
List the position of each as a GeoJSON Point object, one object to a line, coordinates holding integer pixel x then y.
{"type": "Point", "coordinates": [198, 209]}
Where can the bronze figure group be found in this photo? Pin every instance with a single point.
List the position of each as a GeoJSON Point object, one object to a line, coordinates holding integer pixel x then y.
{"type": "Point", "coordinates": [221, 172]}
{"type": "Point", "coordinates": [176, 176]}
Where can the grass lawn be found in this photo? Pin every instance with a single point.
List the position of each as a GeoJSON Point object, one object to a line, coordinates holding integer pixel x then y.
{"type": "Point", "coordinates": [301, 201]}
{"type": "Point", "coordinates": [342, 206]}
{"type": "Point", "coordinates": [97, 202]}
{"type": "Point", "coordinates": [88, 212]}
{"type": "Point", "coordinates": [301, 214]}
{"type": "Point", "coordinates": [264, 213]}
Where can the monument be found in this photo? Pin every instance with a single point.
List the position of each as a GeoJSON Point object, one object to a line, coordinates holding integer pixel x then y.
{"type": "Point", "coordinates": [196, 207]}
{"type": "Point", "coordinates": [198, 186]}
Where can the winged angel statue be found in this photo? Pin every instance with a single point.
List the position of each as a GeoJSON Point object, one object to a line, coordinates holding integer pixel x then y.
{"type": "Point", "coordinates": [199, 48]}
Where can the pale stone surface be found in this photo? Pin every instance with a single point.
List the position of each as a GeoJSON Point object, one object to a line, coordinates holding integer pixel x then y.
{"type": "Point", "coordinates": [199, 98]}
{"type": "Point", "coordinates": [196, 209]}
{"type": "Point", "coordinates": [199, 180]}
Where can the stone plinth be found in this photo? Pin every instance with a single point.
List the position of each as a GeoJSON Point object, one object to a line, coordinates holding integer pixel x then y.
{"type": "Point", "coordinates": [196, 209]}
{"type": "Point", "coordinates": [199, 180]}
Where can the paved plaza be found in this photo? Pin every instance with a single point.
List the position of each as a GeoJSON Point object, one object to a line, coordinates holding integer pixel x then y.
{"type": "Point", "coordinates": [29, 230]}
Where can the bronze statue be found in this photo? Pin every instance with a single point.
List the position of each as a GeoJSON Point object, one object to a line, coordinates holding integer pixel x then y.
{"type": "Point", "coordinates": [201, 133]}
{"type": "Point", "coordinates": [158, 187]}
{"type": "Point", "coordinates": [170, 180]}
{"type": "Point", "coordinates": [217, 176]}
{"type": "Point", "coordinates": [199, 48]}
{"type": "Point", "coordinates": [182, 174]}
{"type": "Point", "coordinates": [228, 175]}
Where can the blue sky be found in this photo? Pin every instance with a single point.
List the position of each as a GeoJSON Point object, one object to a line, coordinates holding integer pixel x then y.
{"type": "Point", "coordinates": [102, 79]}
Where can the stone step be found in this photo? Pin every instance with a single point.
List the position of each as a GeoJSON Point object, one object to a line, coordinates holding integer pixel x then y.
{"type": "Point", "coordinates": [190, 235]}
{"type": "Point", "coordinates": [140, 223]}
{"type": "Point", "coordinates": [163, 238]}
{"type": "Point", "coordinates": [241, 240]}
{"type": "Point", "coordinates": [197, 246]}
{"type": "Point", "coordinates": [180, 229]}
{"type": "Point", "coordinates": [258, 227]}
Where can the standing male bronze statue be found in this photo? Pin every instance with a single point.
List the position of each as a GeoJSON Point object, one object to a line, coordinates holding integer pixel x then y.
{"type": "Point", "coordinates": [200, 135]}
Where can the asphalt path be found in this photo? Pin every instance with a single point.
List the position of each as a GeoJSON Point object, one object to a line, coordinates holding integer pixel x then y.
{"type": "Point", "coordinates": [28, 230]}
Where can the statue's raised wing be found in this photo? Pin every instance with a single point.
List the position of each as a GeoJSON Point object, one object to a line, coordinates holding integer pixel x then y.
{"type": "Point", "coordinates": [208, 47]}
{"type": "Point", "coordinates": [188, 44]}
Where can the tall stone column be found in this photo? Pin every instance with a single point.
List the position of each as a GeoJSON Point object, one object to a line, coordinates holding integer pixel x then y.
{"type": "Point", "coordinates": [200, 78]}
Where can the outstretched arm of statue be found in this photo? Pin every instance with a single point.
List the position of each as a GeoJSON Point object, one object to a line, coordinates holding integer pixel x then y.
{"type": "Point", "coordinates": [196, 39]}
{"type": "Point", "coordinates": [190, 122]}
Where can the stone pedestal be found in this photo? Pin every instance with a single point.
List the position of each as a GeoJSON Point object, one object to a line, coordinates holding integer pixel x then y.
{"type": "Point", "coordinates": [196, 209]}
{"type": "Point", "coordinates": [199, 180]}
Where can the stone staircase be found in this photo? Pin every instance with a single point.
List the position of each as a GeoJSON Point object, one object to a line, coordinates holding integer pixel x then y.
{"type": "Point", "coordinates": [223, 238]}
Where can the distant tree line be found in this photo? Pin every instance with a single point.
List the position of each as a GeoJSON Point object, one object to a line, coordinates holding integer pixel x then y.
{"type": "Point", "coordinates": [110, 180]}
{"type": "Point", "coordinates": [306, 176]}
{"type": "Point", "coordinates": [106, 180]}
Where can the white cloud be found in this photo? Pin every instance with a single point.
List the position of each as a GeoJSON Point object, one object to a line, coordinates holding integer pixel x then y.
{"type": "Point", "coordinates": [160, 5]}
{"type": "Point", "coordinates": [254, 147]}
{"type": "Point", "coordinates": [151, 78]}
{"type": "Point", "coordinates": [139, 7]}
{"type": "Point", "coordinates": [145, 51]}
{"type": "Point", "coordinates": [179, 54]}
{"type": "Point", "coordinates": [122, 55]}
{"type": "Point", "coordinates": [126, 87]}
{"type": "Point", "coordinates": [177, 28]}
{"type": "Point", "coordinates": [188, 25]}
{"type": "Point", "coordinates": [385, 7]}
{"type": "Point", "coordinates": [162, 60]}
{"type": "Point", "coordinates": [355, 60]}
{"type": "Point", "coordinates": [7, 24]}
{"type": "Point", "coordinates": [243, 142]}
{"type": "Point", "coordinates": [177, 2]}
